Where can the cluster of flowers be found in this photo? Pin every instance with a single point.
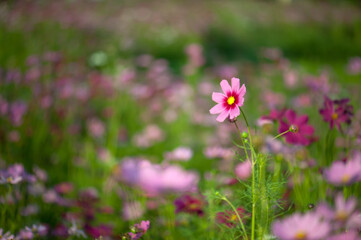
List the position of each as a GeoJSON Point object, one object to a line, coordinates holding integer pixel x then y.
{"type": "Point", "coordinates": [338, 223]}
{"type": "Point", "coordinates": [156, 179]}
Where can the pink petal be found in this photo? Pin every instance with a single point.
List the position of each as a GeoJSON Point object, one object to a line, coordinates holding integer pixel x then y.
{"type": "Point", "coordinates": [234, 113]}
{"type": "Point", "coordinates": [291, 116]}
{"type": "Point", "coordinates": [240, 102]}
{"type": "Point", "coordinates": [302, 120]}
{"type": "Point", "coordinates": [217, 109]}
{"type": "Point", "coordinates": [218, 97]}
{"type": "Point", "coordinates": [242, 91]}
{"type": "Point", "coordinates": [235, 84]}
{"type": "Point", "coordinates": [225, 86]}
{"type": "Point", "coordinates": [222, 116]}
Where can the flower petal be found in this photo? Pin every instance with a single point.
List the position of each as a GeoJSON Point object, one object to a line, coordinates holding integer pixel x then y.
{"type": "Point", "coordinates": [242, 91]}
{"type": "Point", "coordinates": [222, 116]}
{"type": "Point", "coordinates": [240, 102]}
{"type": "Point", "coordinates": [218, 97]}
{"type": "Point", "coordinates": [235, 84]}
{"type": "Point", "coordinates": [217, 109]}
{"type": "Point", "coordinates": [225, 87]}
{"type": "Point", "coordinates": [291, 116]}
{"type": "Point", "coordinates": [235, 112]}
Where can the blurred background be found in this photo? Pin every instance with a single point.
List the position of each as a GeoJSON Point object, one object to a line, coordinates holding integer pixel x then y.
{"type": "Point", "coordinates": [86, 85]}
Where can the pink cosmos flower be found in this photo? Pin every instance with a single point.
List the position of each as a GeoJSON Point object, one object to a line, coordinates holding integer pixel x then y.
{"type": "Point", "coordinates": [230, 218]}
{"type": "Point", "coordinates": [132, 210]}
{"type": "Point", "coordinates": [301, 227]}
{"type": "Point", "coordinates": [336, 112]}
{"type": "Point", "coordinates": [228, 103]}
{"type": "Point", "coordinates": [139, 230]}
{"type": "Point", "coordinates": [343, 210]}
{"type": "Point", "coordinates": [156, 179]}
{"type": "Point", "coordinates": [179, 154]}
{"type": "Point", "coordinates": [350, 235]}
{"type": "Point", "coordinates": [302, 132]}
{"type": "Point", "coordinates": [244, 170]}
{"type": "Point", "coordinates": [189, 204]}
{"type": "Point", "coordinates": [354, 66]}
{"type": "Point", "coordinates": [341, 173]}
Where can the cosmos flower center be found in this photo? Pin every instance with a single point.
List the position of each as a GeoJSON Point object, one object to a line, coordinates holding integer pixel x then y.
{"type": "Point", "coordinates": [334, 116]}
{"type": "Point", "coordinates": [231, 100]}
{"type": "Point", "coordinates": [193, 206]}
{"type": "Point", "coordinates": [234, 217]}
{"type": "Point", "coordinates": [300, 235]}
{"type": "Point", "coordinates": [345, 178]}
{"type": "Point", "coordinates": [341, 215]}
{"type": "Point", "coordinates": [293, 128]}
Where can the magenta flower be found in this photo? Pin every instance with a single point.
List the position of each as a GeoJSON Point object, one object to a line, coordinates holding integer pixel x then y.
{"type": "Point", "coordinates": [189, 204]}
{"type": "Point", "coordinates": [275, 114]}
{"type": "Point", "coordinates": [301, 227]}
{"type": "Point", "coordinates": [341, 173]}
{"type": "Point", "coordinates": [301, 133]}
{"type": "Point", "coordinates": [336, 112]}
{"type": "Point", "coordinates": [139, 230]}
{"type": "Point", "coordinates": [228, 103]}
{"type": "Point", "coordinates": [101, 230]}
{"type": "Point", "coordinates": [230, 218]}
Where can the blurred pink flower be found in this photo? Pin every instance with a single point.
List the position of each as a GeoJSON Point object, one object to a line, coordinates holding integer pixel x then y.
{"type": "Point", "coordinates": [228, 103]}
{"type": "Point", "coordinates": [243, 170]}
{"type": "Point", "coordinates": [194, 52]}
{"type": "Point", "coordinates": [156, 179]}
{"type": "Point", "coordinates": [17, 111]}
{"type": "Point", "coordinates": [179, 154]}
{"type": "Point", "coordinates": [302, 133]}
{"type": "Point", "coordinates": [301, 227]}
{"type": "Point", "coordinates": [138, 230]}
{"type": "Point", "coordinates": [96, 127]}
{"type": "Point", "coordinates": [4, 106]}
{"type": "Point", "coordinates": [344, 173]}
{"type": "Point", "coordinates": [349, 235]}
{"type": "Point", "coordinates": [336, 112]}
{"type": "Point", "coordinates": [149, 136]}
{"type": "Point", "coordinates": [100, 230]}
{"type": "Point", "coordinates": [189, 204]}
{"type": "Point", "coordinates": [64, 187]}
{"type": "Point", "coordinates": [132, 210]}
{"type": "Point", "coordinates": [219, 152]}
{"type": "Point", "coordinates": [226, 71]}
{"type": "Point", "coordinates": [354, 66]}
{"type": "Point", "coordinates": [230, 218]}
{"type": "Point", "coordinates": [25, 234]}
{"type": "Point", "coordinates": [6, 236]}
{"type": "Point", "coordinates": [290, 78]}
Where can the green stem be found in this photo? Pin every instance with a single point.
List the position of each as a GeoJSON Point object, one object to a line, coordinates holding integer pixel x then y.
{"type": "Point", "coordinates": [244, 145]}
{"type": "Point", "coordinates": [281, 134]}
{"type": "Point", "coordinates": [253, 178]}
{"type": "Point", "coordinates": [239, 218]}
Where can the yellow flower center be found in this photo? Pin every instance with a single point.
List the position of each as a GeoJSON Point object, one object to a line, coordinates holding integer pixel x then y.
{"type": "Point", "coordinates": [341, 215]}
{"type": "Point", "coordinates": [300, 235]}
{"type": "Point", "coordinates": [193, 206]}
{"type": "Point", "coordinates": [234, 217]}
{"type": "Point", "coordinates": [231, 100]}
{"type": "Point", "coordinates": [334, 116]}
{"type": "Point", "coordinates": [345, 178]}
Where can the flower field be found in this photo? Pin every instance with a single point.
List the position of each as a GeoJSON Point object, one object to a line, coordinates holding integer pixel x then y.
{"type": "Point", "coordinates": [180, 120]}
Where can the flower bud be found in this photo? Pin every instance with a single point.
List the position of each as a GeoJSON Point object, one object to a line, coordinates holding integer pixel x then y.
{"type": "Point", "coordinates": [245, 135]}
{"type": "Point", "coordinates": [293, 128]}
